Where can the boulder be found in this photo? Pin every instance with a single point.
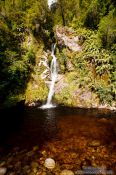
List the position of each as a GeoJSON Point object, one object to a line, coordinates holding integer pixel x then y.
{"type": "Point", "coordinates": [49, 163]}
{"type": "Point", "coordinates": [3, 171]}
{"type": "Point", "coordinates": [68, 39]}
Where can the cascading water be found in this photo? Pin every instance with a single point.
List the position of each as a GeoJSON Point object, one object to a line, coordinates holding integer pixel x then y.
{"type": "Point", "coordinates": [53, 77]}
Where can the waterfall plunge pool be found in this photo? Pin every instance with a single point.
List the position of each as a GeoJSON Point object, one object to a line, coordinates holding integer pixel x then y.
{"type": "Point", "coordinates": [73, 137]}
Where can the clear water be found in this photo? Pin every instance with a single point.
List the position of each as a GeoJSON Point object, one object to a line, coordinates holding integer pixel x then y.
{"type": "Point", "coordinates": [68, 135]}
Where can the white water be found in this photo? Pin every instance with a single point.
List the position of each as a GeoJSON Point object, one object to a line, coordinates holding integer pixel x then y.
{"type": "Point", "coordinates": [50, 2]}
{"type": "Point", "coordinates": [53, 77]}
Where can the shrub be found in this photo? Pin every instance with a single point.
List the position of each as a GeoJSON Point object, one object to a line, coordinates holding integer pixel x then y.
{"type": "Point", "coordinates": [107, 29]}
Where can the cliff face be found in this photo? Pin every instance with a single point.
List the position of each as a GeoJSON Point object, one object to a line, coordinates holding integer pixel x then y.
{"type": "Point", "coordinates": [79, 81]}
{"type": "Point", "coordinates": [72, 87]}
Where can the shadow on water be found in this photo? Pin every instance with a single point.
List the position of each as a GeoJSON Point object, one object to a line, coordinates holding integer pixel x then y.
{"type": "Point", "coordinates": [29, 126]}
{"type": "Point", "coordinates": [73, 137]}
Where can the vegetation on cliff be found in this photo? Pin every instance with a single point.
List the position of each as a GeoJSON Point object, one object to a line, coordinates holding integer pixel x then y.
{"type": "Point", "coordinates": [92, 80]}
{"type": "Point", "coordinates": [26, 33]}
{"type": "Point", "coordinates": [23, 26]}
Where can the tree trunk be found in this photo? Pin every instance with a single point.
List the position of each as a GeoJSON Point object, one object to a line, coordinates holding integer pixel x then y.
{"type": "Point", "coordinates": [62, 13]}
{"type": "Point", "coordinates": [13, 3]}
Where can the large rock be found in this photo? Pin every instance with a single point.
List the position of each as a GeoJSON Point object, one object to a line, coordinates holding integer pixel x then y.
{"type": "Point", "coordinates": [3, 171]}
{"type": "Point", "coordinates": [65, 37]}
{"type": "Point", "coordinates": [60, 84]}
{"type": "Point", "coordinates": [49, 163]}
{"type": "Point", "coordinates": [94, 143]}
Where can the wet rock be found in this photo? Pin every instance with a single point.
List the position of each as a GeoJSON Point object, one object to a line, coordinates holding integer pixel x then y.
{"type": "Point", "coordinates": [18, 164]}
{"type": "Point", "coordinates": [69, 65]}
{"type": "Point", "coordinates": [12, 173]}
{"type": "Point", "coordinates": [3, 171]}
{"type": "Point", "coordinates": [2, 164]}
{"type": "Point", "coordinates": [10, 159]}
{"type": "Point", "coordinates": [39, 172]}
{"type": "Point", "coordinates": [44, 153]}
{"type": "Point", "coordinates": [67, 172]}
{"type": "Point", "coordinates": [35, 170]}
{"type": "Point", "coordinates": [49, 163]}
{"type": "Point", "coordinates": [86, 95]}
{"type": "Point", "coordinates": [26, 167]}
{"type": "Point", "coordinates": [94, 143]}
{"type": "Point", "coordinates": [34, 165]}
{"type": "Point", "coordinates": [60, 83]}
{"type": "Point", "coordinates": [16, 149]}
{"type": "Point", "coordinates": [30, 153]}
{"type": "Point", "coordinates": [103, 120]}
{"type": "Point", "coordinates": [44, 173]}
{"type": "Point", "coordinates": [35, 148]}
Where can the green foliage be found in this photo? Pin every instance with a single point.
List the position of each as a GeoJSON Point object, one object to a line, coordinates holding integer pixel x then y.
{"type": "Point", "coordinates": [13, 99]}
{"type": "Point", "coordinates": [62, 58]}
{"type": "Point", "coordinates": [29, 57]}
{"type": "Point", "coordinates": [107, 29]}
{"type": "Point", "coordinates": [78, 13]}
{"type": "Point", "coordinates": [104, 92]}
{"type": "Point", "coordinates": [104, 63]}
{"type": "Point", "coordinates": [94, 67]}
{"type": "Point", "coordinates": [34, 94]}
{"type": "Point", "coordinates": [26, 26]}
{"type": "Point", "coordinates": [94, 54]}
{"type": "Point", "coordinates": [35, 14]}
{"type": "Point", "coordinates": [20, 20]}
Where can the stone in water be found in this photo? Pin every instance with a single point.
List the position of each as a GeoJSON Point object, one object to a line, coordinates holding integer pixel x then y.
{"type": "Point", "coordinates": [49, 163]}
{"type": "Point", "coordinates": [3, 171]}
{"type": "Point", "coordinates": [94, 143]}
{"type": "Point", "coordinates": [66, 172]}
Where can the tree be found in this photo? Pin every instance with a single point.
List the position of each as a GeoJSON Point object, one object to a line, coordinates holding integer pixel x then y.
{"type": "Point", "coordinates": [16, 63]}
{"type": "Point", "coordinates": [107, 29]}
{"type": "Point", "coordinates": [62, 11]}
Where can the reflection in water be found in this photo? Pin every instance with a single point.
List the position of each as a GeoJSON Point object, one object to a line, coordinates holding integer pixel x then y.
{"type": "Point", "coordinates": [53, 77]}
{"type": "Point", "coordinates": [50, 124]}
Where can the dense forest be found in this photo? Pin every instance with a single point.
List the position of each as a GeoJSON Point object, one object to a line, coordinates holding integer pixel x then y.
{"type": "Point", "coordinates": [27, 29]}
{"type": "Point", "coordinates": [19, 20]}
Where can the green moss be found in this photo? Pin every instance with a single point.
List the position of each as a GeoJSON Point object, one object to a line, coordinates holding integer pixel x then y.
{"type": "Point", "coordinates": [39, 92]}
{"type": "Point", "coordinates": [12, 100]}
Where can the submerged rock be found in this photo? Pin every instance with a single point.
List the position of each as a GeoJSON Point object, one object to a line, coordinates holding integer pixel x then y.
{"type": "Point", "coordinates": [94, 143]}
{"type": "Point", "coordinates": [3, 171]}
{"type": "Point", "coordinates": [67, 172]}
{"type": "Point", "coordinates": [49, 163]}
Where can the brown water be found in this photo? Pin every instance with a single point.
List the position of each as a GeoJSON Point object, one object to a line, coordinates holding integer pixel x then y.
{"type": "Point", "coordinates": [72, 137]}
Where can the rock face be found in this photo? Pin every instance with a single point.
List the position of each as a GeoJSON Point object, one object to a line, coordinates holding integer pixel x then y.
{"type": "Point", "coordinates": [49, 163]}
{"type": "Point", "coordinates": [44, 62]}
{"type": "Point", "coordinates": [64, 37]}
{"type": "Point", "coordinates": [60, 83]}
{"type": "Point", "coordinates": [71, 94]}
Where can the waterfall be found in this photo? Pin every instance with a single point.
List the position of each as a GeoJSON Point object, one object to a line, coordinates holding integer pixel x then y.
{"type": "Point", "coordinates": [53, 78]}
{"type": "Point", "coordinates": [50, 2]}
